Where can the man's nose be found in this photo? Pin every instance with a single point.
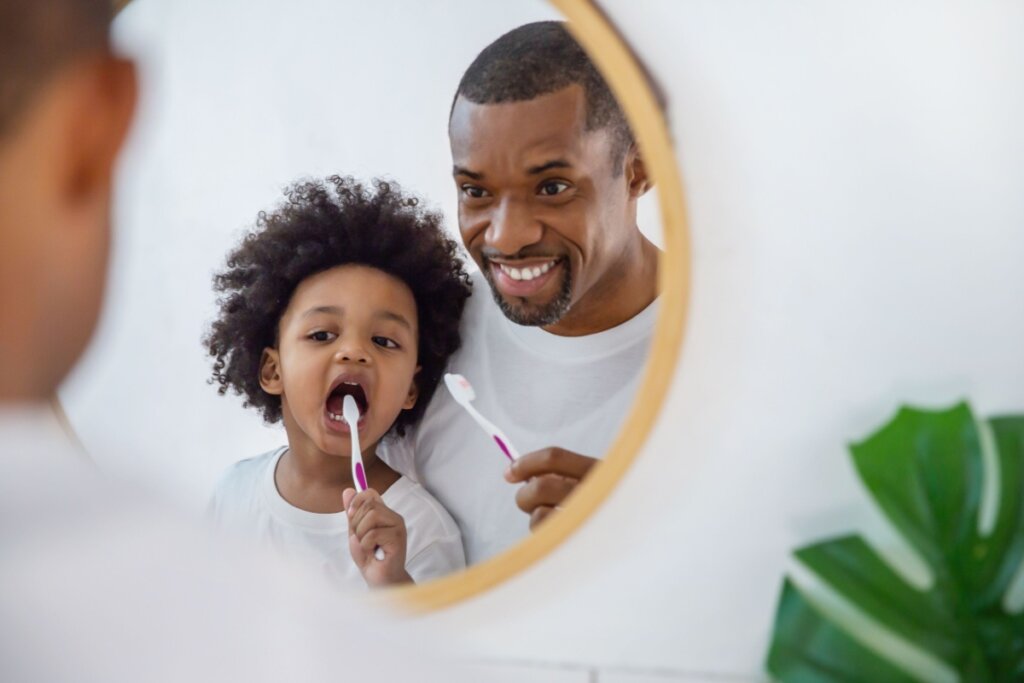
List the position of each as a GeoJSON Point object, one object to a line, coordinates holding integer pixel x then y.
{"type": "Point", "coordinates": [513, 227]}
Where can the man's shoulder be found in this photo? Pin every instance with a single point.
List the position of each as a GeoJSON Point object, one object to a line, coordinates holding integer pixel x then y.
{"type": "Point", "coordinates": [411, 500]}
{"type": "Point", "coordinates": [478, 306]}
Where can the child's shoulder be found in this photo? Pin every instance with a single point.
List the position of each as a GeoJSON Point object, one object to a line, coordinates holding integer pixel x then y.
{"type": "Point", "coordinates": [245, 476]}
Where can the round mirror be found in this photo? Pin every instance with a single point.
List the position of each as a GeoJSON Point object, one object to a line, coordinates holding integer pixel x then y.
{"type": "Point", "coordinates": [241, 101]}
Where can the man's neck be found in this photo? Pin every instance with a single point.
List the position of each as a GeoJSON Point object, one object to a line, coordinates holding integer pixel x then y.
{"type": "Point", "coordinates": [617, 298]}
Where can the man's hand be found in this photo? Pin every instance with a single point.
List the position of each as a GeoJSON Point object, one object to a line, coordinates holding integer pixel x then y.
{"type": "Point", "coordinates": [372, 525]}
{"type": "Point", "coordinates": [550, 474]}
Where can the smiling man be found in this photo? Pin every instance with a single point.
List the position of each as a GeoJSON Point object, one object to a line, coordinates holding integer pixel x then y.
{"type": "Point", "coordinates": [548, 177]}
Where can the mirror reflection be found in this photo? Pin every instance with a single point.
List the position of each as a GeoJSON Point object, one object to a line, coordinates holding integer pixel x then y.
{"type": "Point", "coordinates": [412, 249]}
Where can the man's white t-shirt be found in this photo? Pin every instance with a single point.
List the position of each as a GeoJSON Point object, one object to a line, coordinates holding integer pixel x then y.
{"type": "Point", "coordinates": [247, 502]}
{"type": "Point", "coordinates": [541, 389]}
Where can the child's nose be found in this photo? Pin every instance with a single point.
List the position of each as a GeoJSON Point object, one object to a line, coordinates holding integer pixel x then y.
{"type": "Point", "coordinates": [351, 353]}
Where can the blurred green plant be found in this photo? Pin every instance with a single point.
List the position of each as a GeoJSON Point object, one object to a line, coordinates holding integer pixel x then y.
{"type": "Point", "coordinates": [925, 470]}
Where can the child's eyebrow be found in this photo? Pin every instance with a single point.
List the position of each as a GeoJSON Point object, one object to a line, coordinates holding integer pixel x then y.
{"type": "Point", "coordinates": [336, 310]}
{"type": "Point", "coordinates": [396, 317]}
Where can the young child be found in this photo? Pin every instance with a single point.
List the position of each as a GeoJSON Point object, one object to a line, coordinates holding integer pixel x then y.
{"type": "Point", "coordinates": [342, 290]}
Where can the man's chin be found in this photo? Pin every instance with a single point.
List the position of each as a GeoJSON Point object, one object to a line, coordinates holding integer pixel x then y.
{"type": "Point", "coordinates": [525, 312]}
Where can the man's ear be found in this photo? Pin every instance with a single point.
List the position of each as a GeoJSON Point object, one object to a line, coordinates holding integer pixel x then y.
{"type": "Point", "coordinates": [270, 372]}
{"type": "Point", "coordinates": [99, 121]}
{"type": "Point", "coordinates": [637, 179]}
{"type": "Point", "coordinates": [414, 391]}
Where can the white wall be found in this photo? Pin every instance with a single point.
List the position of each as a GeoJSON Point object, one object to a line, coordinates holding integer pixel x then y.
{"type": "Point", "coordinates": [854, 174]}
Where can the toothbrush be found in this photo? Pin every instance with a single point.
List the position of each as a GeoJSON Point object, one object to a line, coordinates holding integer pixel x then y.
{"type": "Point", "coordinates": [350, 411]}
{"type": "Point", "coordinates": [462, 391]}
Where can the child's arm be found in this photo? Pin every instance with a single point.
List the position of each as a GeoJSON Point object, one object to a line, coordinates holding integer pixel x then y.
{"type": "Point", "coordinates": [371, 525]}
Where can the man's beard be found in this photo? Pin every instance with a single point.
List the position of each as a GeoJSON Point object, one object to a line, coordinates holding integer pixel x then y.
{"type": "Point", "coordinates": [548, 314]}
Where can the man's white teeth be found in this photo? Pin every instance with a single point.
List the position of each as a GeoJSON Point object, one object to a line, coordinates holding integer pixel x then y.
{"type": "Point", "coordinates": [335, 418]}
{"type": "Point", "coordinates": [528, 273]}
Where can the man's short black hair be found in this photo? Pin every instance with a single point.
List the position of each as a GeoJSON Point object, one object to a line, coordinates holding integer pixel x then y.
{"type": "Point", "coordinates": [321, 225]}
{"type": "Point", "coordinates": [541, 58]}
{"type": "Point", "coordinates": [37, 37]}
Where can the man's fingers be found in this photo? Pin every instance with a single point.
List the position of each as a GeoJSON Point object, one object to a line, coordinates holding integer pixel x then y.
{"type": "Point", "coordinates": [539, 514]}
{"type": "Point", "coordinates": [546, 490]}
{"type": "Point", "coordinates": [549, 461]}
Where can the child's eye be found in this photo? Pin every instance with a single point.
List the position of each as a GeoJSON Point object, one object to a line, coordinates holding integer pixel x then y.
{"type": "Point", "coordinates": [385, 342]}
{"type": "Point", "coordinates": [321, 336]}
{"type": "Point", "coordinates": [474, 191]}
{"type": "Point", "coordinates": [553, 187]}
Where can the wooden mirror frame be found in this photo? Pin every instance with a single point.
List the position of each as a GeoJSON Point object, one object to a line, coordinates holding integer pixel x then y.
{"type": "Point", "coordinates": [628, 81]}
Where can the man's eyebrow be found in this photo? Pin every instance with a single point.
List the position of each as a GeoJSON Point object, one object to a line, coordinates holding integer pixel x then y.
{"type": "Point", "coordinates": [396, 317]}
{"type": "Point", "coordinates": [554, 163]}
{"type": "Point", "coordinates": [336, 310]}
{"type": "Point", "coordinates": [459, 170]}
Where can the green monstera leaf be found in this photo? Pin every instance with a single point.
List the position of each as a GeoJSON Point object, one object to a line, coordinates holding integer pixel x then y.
{"type": "Point", "coordinates": [926, 470]}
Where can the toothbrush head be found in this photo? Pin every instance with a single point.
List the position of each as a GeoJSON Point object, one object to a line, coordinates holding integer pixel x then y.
{"type": "Point", "coordinates": [459, 387]}
{"type": "Point", "coordinates": [350, 411]}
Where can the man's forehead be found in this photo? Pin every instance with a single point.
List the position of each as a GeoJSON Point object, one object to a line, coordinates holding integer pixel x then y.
{"type": "Point", "coordinates": [532, 131]}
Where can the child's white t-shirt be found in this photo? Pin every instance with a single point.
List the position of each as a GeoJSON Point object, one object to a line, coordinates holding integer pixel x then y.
{"type": "Point", "coordinates": [246, 502]}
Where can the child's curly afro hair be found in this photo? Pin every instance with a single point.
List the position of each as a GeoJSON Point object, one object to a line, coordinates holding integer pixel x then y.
{"type": "Point", "coordinates": [321, 225]}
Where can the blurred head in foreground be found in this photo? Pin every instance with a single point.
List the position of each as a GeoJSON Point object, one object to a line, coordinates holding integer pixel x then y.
{"type": "Point", "coordinates": [66, 102]}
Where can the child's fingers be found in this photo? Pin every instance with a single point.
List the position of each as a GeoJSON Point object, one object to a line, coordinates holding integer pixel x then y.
{"type": "Point", "coordinates": [346, 497]}
{"type": "Point", "coordinates": [377, 519]}
{"type": "Point", "coordinates": [360, 504]}
{"type": "Point", "coordinates": [355, 548]}
{"type": "Point", "coordinates": [376, 538]}
{"type": "Point", "coordinates": [364, 507]}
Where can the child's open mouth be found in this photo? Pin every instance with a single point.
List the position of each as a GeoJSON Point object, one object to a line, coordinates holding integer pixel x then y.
{"type": "Point", "coordinates": [343, 388]}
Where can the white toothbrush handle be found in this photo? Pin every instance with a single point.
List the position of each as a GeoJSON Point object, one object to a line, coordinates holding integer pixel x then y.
{"type": "Point", "coordinates": [359, 476]}
{"type": "Point", "coordinates": [499, 436]}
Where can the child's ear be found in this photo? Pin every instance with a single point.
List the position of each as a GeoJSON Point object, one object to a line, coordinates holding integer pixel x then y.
{"type": "Point", "coordinates": [270, 372]}
{"type": "Point", "coordinates": [414, 390]}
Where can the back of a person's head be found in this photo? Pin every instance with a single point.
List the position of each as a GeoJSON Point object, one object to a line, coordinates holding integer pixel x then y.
{"type": "Point", "coordinates": [538, 59]}
{"type": "Point", "coordinates": [37, 38]}
{"type": "Point", "coordinates": [66, 102]}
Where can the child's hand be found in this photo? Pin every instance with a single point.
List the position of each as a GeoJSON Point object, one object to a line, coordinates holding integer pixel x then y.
{"type": "Point", "coordinates": [372, 525]}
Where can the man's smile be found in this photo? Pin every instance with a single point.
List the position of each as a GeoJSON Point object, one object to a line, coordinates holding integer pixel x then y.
{"type": "Point", "coordinates": [524, 278]}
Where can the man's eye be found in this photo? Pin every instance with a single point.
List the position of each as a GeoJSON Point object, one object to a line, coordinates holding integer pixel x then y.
{"type": "Point", "coordinates": [474, 191]}
{"type": "Point", "coordinates": [553, 187]}
{"type": "Point", "coordinates": [385, 342]}
{"type": "Point", "coordinates": [321, 336]}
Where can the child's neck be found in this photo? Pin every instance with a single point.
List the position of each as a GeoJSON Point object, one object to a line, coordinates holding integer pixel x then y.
{"type": "Point", "coordinates": [312, 480]}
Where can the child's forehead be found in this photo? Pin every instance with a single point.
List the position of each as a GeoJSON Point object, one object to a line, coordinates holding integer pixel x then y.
{"type": "Point", "coordinates": [352, 289]}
